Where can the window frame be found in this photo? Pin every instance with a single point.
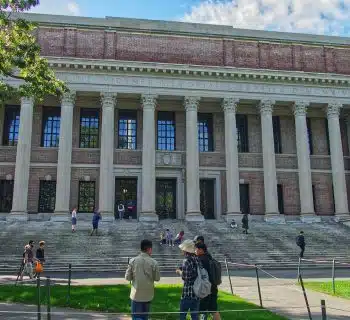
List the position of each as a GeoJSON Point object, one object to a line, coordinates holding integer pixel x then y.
{"type": "Point", "coordinates": [280, 198]}
{"type": "Point", "coordinates": [92, 114]}
{"type": "Point", "coordinates": [277, 137]}
{"type": "Point", "coordinates": [309, 135]}
{"type": "Point", "coordinates": [14, 109]}
{"type": "Point", "coordinates": [53, 113]}
{"type": "Point", "coordinates": [130, 115]}
{"type": "Point", "coordinates": [205, 120]}
{"type": "Point", "coordinates": [10, 184]}
{"type": "Point", "coordinates": [166, 119]}
{"type": "Point", "coordinates": [92, 183]}
{"type": "Point", "coordinates": [43, 187]}
{"type": "Point", "coordinates": [242, 133]}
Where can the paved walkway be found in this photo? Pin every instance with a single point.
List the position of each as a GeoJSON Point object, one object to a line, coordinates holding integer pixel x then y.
{"type": "Point", "coordinates": [279, 295]}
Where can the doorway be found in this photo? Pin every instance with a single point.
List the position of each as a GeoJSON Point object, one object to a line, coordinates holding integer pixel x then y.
{"type": "Point", "coordinates": [280, 198]}
{"type": "Point", "coordinates": [244, 197]}
{"type": "Point", "coordinates": [166, 198]}
{"type": "Point", "coordinates": [126, 193]}
{"type": "Point", "coordinates": [207, 198]}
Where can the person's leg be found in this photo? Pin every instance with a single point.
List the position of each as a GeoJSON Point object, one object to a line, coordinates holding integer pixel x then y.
{"type": "Point", "coordinates": [146, 309]}
{"type": "Point", "coordinates": [184, 306]}
{"type": "Point", "coordinates": [194, 309]}
{"type": "Point", "coordinates": [302, 252]}
{"type": "Point", "coordinates": [30, 270]}
{"type": "Point", "coordinates": [137, 310]}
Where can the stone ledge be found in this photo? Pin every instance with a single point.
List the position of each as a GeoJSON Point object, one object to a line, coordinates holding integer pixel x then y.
{"type": "Point", "coordinates": [275, 218]}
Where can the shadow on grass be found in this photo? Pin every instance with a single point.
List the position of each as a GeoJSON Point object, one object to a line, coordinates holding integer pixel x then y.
{"type": "Point", "coordinates": [115, 299]}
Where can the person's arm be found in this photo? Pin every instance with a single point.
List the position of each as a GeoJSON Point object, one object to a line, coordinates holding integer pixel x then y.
{"type": "Point", "coordinates": [185, 274]}
{"type": "Point", "coordinates": [129, 274]}
{"type": "Point", "coordinates": [156, 273]}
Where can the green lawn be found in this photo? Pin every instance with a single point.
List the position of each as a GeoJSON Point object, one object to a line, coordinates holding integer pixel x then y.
{"type": "Point", "coordinates": [116, 299]}
{"type": "Point", "coordinates": [342, 288]}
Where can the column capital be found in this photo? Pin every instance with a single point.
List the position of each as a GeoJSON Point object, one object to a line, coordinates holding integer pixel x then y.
{"type": "Point", "coordinates": [191, 103]}
{"type": "Point", "coordinates": [149, 101]}
{"type": "Point", "coordinates": [27, 100]}
{"type": "Point", "coordinates": [108, 99]}
{"type": "Point", "coordinates": [333, 109]}
{"type": "Point", "coordinates": [300, 107]}
{"type": "Point", "coordinates": [68, 98]}
{"type": "Point", "coordinates": [230, 104]}
{"type": "Point", "coordinates": [266, 106]}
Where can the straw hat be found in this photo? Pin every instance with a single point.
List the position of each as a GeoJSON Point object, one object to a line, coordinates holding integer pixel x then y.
{"type": "Point", "coordinates": [187, 246]}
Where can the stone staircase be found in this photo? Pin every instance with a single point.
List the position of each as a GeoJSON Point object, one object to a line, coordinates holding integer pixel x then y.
{"type": "Point", "coordinates": [267, 244]}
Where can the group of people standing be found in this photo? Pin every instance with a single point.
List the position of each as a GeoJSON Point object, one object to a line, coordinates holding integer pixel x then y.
{"type": "Point", "coordinates": [166, 238]}
{"type": "Point", "coordinates": [143, 271]}
{"type": "Point", "coordinates": [95, 220]}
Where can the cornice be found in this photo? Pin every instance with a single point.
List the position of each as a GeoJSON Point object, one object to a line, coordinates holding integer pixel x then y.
{"type": "Point", "coordinates": [202, 72]}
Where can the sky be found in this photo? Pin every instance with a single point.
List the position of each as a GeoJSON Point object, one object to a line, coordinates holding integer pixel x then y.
{"type": "Point", "coordinates": [325, 17]}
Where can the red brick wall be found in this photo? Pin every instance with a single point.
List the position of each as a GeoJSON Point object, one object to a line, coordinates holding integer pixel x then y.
{"type": "Point", "coordinates": [99, 44]}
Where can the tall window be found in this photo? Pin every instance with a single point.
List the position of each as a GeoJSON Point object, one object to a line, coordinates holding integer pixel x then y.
{"type": "Point", "coordinates": [6, 195]}
{"type": "Point", "coordinates": [314, 197]}
{"type": "Point", "coordinates": [51, 127]}
{"type": "Point", "coordinates": [309, 134]}
{"type": "Point", "coordinates": [11, 125]}
{"type": "Point", "coordinates": [242, 133]}
{"type": "Point", "coordinates": [127, 129]}
{"type": "Point", "coordinates": [86, 201]}
{"type": "Point", "coordinates": [47, 196]}
{"type": "Point", "coordinates": [89, 128]}
{"type": "Point", "coordinates": [166, 131]}
{"type": "Point", "coordinates": [327, 136]}
{"type": "Point", "coordinates": [280, 198]}
{"type": "Point", "coordinates": [277, 134]}
{"type": "Point", "coordinates": [205, 132]}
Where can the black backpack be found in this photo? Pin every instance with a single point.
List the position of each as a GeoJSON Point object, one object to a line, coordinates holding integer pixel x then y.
{"type": "Point", "coordinates": [215, 272]}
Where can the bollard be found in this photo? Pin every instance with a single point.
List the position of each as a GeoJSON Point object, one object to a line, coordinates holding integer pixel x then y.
{"type": "Point", "coordinates": [299, 269]}
{"type": "Point", "coordinates": [69, 282]}
{"type": "Point", "coordinates": [323, 309]}
{"type": "Point", "coordinates": [229, 276]}
{"type": "Point", "coordinates": [258, 282]}
{"type": "Point", "coordinates": [333, 276]}
{"type": "Point", "coordinates": [38, 297]}
{"type": "Point", "coordinates": [48, 284]}
{"type": "Point", "coordinates": [305, 297]}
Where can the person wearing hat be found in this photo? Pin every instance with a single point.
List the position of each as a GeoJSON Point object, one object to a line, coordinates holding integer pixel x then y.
{"type": "Point", "coordinates": [198, 239]}
{"type": "Point", "coordinates": [188, 271]}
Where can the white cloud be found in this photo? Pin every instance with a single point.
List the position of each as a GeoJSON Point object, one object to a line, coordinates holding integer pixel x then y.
{"type": "Point", "coordinates": [61, 7]}
{"type": "Point", "coordinates": [320, 17]}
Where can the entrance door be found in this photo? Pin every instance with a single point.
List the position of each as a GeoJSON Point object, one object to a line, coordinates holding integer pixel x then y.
{"type": "Point", "coordinates": [166, 198]}
{"type": "Point", "coordinates": [244, 197]}
{"type": "Point", "coordinates": [207, 200]}
{"type": "Point", "coordinates": [126, 193]}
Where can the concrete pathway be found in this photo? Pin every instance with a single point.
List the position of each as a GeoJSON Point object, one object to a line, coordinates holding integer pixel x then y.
{"type": "Point", "coordinates": [279, 295]}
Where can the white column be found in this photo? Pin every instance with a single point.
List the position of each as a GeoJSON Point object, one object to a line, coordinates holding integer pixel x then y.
{"type": "Point", "coordinates": [148, 211]}
{"type": "Point", "coordinates": [303, 153]}
{"type": "Point", "coordinates": [20, 192]}
{"type": "Point", "coordinates": [106, 197]}
{"type": "Point", "coordinates": [269, 163]}
{"type": "Point", "coordinates": [337, 159]}
{"type": "Point", "coordinates": [192, 160]}
{"type": "Point", "coordinates": [64, 158]}
{"type": "Point", "coordinates": [232, 173]}
{"type": "Point", "coordinates": [347, 121]}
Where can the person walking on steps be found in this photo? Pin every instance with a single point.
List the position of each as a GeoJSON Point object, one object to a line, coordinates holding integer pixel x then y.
{"type": "Point", "coordinates": [95, 220]}
{"type": "Point", "coordinates": [142, 271]}
{"type": "Point", "coordinates": [245, 223]}
{"type": "Point", "coordinates": [40, 256]}
{"type": "Point", "coordinates": [28, 259]}
{"type": "Point", "coordinates": [301, 243]}
{"type": "Point", "coordinates": [74, 219]}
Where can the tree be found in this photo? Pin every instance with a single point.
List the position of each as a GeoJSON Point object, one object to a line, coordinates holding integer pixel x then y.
{"type": "Point", "coordinates": [20, 56]}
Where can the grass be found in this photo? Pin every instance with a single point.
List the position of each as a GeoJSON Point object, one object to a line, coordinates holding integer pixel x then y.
{"type": "Point", "coordinates": [115, 298]}
{"type": "Point", "coordinates": [342, 288]}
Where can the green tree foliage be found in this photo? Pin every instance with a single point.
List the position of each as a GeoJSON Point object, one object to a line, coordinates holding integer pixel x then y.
{"type": "Point", "coordinates": [20, 56]}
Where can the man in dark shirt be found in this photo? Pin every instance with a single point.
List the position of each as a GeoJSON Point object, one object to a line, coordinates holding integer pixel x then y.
{"type": "Point", "coordinates": [301, 243]}
{"type": "Point", "coordinates": [40, 255]}
{"type": "Point", "coordinates": [208, 304]}
{"type": "Point", "coordinates": [188, 272]}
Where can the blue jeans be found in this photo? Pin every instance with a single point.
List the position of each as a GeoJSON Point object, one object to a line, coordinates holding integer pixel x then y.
{"type": "Point", "coordinates": [140, 310]}
{"type": "Point", "coordinates": [189, 304]}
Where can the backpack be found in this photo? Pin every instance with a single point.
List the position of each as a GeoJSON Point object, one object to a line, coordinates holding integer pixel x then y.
{"type": "Point", "coordinates": [202, 285]}
{"type": "Point", "coordinates": [215, 272]}
{"type": "Point", "coordinates": [299, 241]}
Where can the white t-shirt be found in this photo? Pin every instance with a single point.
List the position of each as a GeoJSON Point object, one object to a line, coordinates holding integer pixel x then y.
{"type": "Point", "coordinates": [74, 214]}
{"type": "Point", "coordinates": [121, 207]}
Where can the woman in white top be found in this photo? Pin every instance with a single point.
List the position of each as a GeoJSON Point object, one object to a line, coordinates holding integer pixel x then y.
{"type": "Point", "coordinates": [74, 219]}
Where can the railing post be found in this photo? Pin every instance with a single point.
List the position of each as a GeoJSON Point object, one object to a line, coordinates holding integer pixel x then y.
{"type": "Point", "coordinates": [258, 282]}
{"type": "Point", "coordinates": [305, 297]}
{"type": "Point", "coordinates": [69, 282]}
{"type": "Point", "coordinates": [299, 263]}
{"type": "Point", "coordinates": [38, 298]}
{"type": "Point", "coordinates": [48, 284]}
{"type": "Point", "coordinates": [323, 309]}
{"type": "Point", "coordinates": [229, 276]}
{"type": "Point", "coordinates": [333, 276]}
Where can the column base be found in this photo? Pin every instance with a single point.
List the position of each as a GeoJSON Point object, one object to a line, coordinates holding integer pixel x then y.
{"type": "Point", "coordinates": [275, 218]}
{"type": "Point", "coordinates": [60, 216]}
{"type": "Point", "coordinates": [342, 217]}
{"type": "Point", "coordinates": [17, 216]}
{"type": "Point", "coordinates": [194, 217]}
{"type": "Point", "coordinates": [148, 217]}
{"type": "Point", "coordinates": [237, 216]}
{"type": "Point", "coordinates": [309, 218]}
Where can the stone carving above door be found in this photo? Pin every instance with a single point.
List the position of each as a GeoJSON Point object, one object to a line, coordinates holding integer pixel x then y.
{"type": "Point", "coordinates": [164, 158]}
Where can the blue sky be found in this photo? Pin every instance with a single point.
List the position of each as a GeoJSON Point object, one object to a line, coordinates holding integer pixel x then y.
{"type": "Point", "coordinates": [331, 17]}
